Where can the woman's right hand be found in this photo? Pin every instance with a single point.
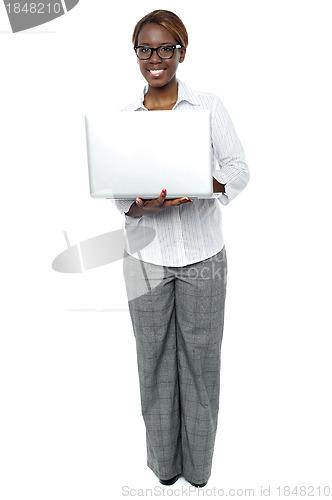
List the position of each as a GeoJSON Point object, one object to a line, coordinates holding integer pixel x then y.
{"type": "Point", "coordinates": [158, 204]}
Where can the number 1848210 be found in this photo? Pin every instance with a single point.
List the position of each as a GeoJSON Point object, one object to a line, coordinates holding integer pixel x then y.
{"type": "Point", "coordinates": [33, 8]}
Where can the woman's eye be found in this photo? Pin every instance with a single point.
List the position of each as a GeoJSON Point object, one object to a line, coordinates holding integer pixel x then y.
{"type": "Point", "coordinates": [166, 49]}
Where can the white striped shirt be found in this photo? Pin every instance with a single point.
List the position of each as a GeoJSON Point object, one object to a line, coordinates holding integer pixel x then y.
{"type": "Point", "coordinates": [192, 232]}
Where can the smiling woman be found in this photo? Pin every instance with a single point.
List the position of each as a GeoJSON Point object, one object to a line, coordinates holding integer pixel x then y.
{"type": "Point", "coordinates": [176, 286]}
{"type": "Point", "coordinates": [159, 54]}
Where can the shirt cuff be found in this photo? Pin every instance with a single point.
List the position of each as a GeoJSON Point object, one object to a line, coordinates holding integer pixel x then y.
{"type": "Point", "coordinates": [233, 185]}
{"type": "Point", "coordinates": [222, 197]}
{"type": "Point", "coordinates": [132, 221]}
{"type": "Point", "coordinates": [123, 206]}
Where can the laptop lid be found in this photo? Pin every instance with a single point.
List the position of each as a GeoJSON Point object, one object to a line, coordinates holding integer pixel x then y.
{"type": "Point", "coordinates": [139, 153]}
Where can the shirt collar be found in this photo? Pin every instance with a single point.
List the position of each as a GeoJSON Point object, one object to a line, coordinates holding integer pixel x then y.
{"type": "Point", "coordinates": [184, 94]}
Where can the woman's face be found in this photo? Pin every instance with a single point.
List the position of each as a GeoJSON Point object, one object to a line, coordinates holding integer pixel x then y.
{"type": "Point", "coordinates": [154, 35]}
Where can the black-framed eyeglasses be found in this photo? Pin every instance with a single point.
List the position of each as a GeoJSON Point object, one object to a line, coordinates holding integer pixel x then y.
{"type": "Point", "coordinates": [164, 51]}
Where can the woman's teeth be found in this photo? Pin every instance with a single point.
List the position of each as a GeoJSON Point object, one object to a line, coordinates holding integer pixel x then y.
{"type": "Point", "coordinates": [156, 71]}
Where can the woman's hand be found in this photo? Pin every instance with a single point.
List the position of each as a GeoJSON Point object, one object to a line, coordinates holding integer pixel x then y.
{"type": "Point", "coordinates": [145, 207]}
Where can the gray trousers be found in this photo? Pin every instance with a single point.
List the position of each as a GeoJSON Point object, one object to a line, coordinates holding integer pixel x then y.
{"type": "Point", "coordinates": [178, 316]}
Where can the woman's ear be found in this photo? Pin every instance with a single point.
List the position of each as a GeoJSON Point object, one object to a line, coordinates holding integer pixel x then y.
{"type": "Point", "coordinates": [182, 54]}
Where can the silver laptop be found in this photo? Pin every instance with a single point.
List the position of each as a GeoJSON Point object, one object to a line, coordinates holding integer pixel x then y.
{"type": "Point", "coordinates": [139, 153]}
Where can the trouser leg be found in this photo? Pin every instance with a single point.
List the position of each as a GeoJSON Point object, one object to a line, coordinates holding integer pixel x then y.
{"type": "Point", "coordinates": [200, 297]}
{"type": "Point", "coordinates": [150, 293]}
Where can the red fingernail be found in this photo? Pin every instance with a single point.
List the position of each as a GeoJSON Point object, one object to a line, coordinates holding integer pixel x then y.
{"type": "Point", "coordinates": [164, 190]}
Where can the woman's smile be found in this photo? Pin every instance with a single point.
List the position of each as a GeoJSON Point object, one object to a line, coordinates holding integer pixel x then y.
{"type": "Point", "coordinates": [156, 72]}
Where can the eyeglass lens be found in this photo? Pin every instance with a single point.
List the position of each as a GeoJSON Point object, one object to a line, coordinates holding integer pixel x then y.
{"type": "Point", "coordinates": [164, 52]}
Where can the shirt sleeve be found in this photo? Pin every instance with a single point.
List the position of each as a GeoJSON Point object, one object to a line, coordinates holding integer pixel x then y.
{"type": "Point", "coordinates": [123, 206]}
{"type": "Point", "coordinates": [228, 151]}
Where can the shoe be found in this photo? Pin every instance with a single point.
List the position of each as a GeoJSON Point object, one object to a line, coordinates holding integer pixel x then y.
{"type": "Point", "coordinates": [198, 485]}
{"type": "Point", "coordinates": [169, 482]}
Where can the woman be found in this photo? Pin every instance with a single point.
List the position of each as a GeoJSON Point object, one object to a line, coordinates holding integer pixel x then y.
{"type": "Point", "coordinates": [176, 286]}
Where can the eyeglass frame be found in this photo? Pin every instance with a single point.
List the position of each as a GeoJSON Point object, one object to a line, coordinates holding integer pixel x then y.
{"type": "Point", "coordinates": [156, 49]}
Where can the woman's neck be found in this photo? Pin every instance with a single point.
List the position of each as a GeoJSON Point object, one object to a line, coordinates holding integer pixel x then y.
{"type": "Point", "coordinates": [162, 98]}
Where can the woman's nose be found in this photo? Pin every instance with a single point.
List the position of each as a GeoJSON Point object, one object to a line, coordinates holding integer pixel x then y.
{"type": "Point", "coordinates": [154, 57]}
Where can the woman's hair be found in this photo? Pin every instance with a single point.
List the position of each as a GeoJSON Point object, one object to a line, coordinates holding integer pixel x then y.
{"type": "Point", "coordinates": [168, 20]}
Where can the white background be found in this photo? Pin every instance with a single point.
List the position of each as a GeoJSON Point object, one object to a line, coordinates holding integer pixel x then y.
{"type": "Point", "coordinates": [70, 421]}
